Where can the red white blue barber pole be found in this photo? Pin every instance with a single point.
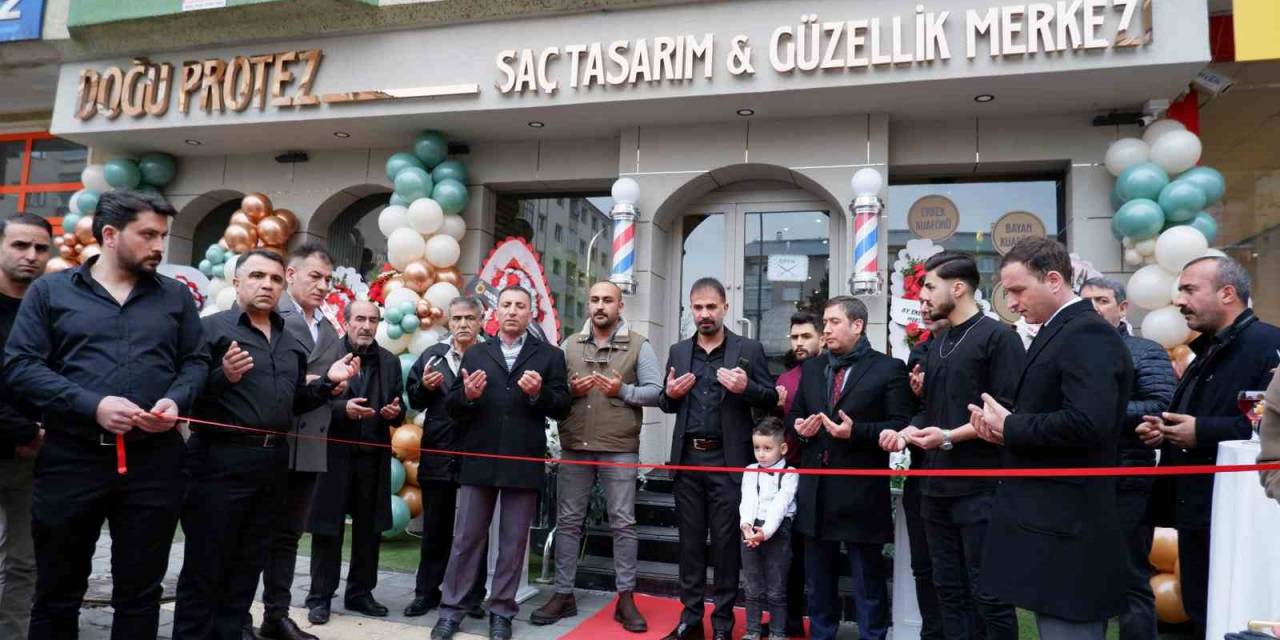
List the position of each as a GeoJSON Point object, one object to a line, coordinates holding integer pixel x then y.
{"type": "Point", "coordinates": [866, 209]}
{"type": "Point", "coordinates": [625, 194]}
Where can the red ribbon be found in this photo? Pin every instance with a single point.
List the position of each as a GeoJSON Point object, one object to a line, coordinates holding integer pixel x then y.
{"type": "Point", "coordinates": [1081, 472]}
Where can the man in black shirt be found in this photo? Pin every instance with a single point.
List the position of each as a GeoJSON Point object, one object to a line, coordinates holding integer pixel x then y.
{"type": "Point", "coordinates": [975, 355]}
{"type": "Point", "coordinates": [237, 476]}
{"type": "Point", "coordinates": [109, 348]}
{"type": "Point", "coordinates": [25, 239]}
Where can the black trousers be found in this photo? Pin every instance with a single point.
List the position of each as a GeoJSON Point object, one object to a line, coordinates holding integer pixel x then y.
{"type": "Point", "coordinates": [1193, 557]}
{"type": "Point", "coordinates": [921, 564]}
{"type": "Point", "coordinates": [796, 598]}
{"type": "Point", "coordinates": [956, 528]}
{"type": "Point", "coordinates": [439, 506]}
{"type": "Point", "coordinates": [867, 575]}
{"type": "Point", "coordinates": [76, 489]}
{"type": "Point", "coordinates": [235, 502]}
{"type": "Point", "coordinates": [708, 503]}
{"type": "Point", "coordinates": [282, 550]}
{"type": "Point", "coordinates": [1138, 621]}
{"type": "Point", "coordinates": [326, 550]}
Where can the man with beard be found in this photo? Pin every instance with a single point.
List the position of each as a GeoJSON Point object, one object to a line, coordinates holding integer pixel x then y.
{"type": "Point", "coordinates": [237, 475]}
{"type": "Point", "coordinates": [715, 380]}
{"type": "Point", "coordinates": [613, 372]}
{"type": "Point", "coordinates": [1235, 351]}
{"type": "Point", "coordinates": [429, 382]}
{"type": "Point", "coordinates": [1053, 545]}
{"type": "Point", "coordinates": [358, 479]}
{"type": "Point", "coordinates": [508, 388]}
{"type": "Point", "coordinates": [1153, 385]}
{"type": "Point", "coordinates": [25, 239]}
{"type": "Point", "coordinates": [847, 403]}
{"type": "Point", "coordinates": [974, 355]}
{"type": "Point", "coordinates": [108, 349]}
{"type": "Point", "coordinates": [309, 276]}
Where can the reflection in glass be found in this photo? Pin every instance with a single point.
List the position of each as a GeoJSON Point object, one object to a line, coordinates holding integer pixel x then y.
{"type": "Point", "coordinates": [786, 268]}
{"type": "Point", "coordinates": [11, 162]}
{"type": "Point", "coordinates": [49, 205]}
{"type": "Point", "coordinates": [56, 161]}
{"type": "Point", "coordinates": [702, 255]}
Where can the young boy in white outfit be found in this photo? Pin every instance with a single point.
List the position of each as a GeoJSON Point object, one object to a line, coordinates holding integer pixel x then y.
{"type": "Point", "coordinates": [768, 506]}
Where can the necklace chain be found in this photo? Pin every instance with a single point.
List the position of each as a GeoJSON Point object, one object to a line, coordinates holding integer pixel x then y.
{"type": "Point", "coordinates": [942, 345]}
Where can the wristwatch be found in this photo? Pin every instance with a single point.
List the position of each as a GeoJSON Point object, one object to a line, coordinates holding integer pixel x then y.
{"type": "Point", "coordinates": [946, 440]}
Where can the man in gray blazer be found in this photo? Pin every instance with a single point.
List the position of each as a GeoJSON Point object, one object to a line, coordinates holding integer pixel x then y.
{"type": "Point", "coordinates": [309, 276]}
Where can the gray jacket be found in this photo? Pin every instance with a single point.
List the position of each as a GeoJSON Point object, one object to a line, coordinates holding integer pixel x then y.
{"type": "Point", "coordinates": [310, 451]}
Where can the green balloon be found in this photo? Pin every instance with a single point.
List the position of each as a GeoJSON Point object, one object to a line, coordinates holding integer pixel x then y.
{"type": "Point", "coordinates": [215, 254]}
{"type": "Point", "coordinates": [1139, 219]}
{"type": "Point", "coordinates": [1116, 199]}
{"type": "Point", "coordinates": [431, 148]}
{"type": "Point", "coordinates": [1142, 181]}
{"type": "Point", "coordinates": [399, 161]}
{"type": "Point", "coordinates": [1206, 224]}
{"type": "Point", "coordinates": [450, 169]}
{"type": "Point", "coordinates": [206, 268]}
{"type": "Point", "coordinates": [394, 332]}
{"type": "Point", "coordinates": [393, 316]}
{"type": "Point", "coordinates": [122, 173]}
{"type": "Point", "coordinates": [406, 363]}
{"type": "Point", "coordinates": [413, 183]}
{"type": "Point", "coordinates": [1181, 201]}
{"type": "Point", "coordinates": [399, 518]}
{"type": "Point", "coordinates": [409, 324]}
{"type": "Point", "coordinates": [397, 201]}
{"type": "Point", "coordinates": [69, 221]}
{"type": "Point", "coordinates": [397, 475]}
{"type": "Point", "coordinates": [87, 203]}
{"type": "Point", "coordinates": [157, 168]}
{"type": "Point", "coordinates": [1209, 180]}
{"type": "Point", "coordinates": [451, 195]}
{"type": "Point", "coordinates": [408, 308]}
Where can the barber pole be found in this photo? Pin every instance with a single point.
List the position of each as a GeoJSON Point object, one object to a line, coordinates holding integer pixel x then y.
{"type": "Point", "coordinates": [625, 194]}
{"type": "Point", "coordinates": [866, 246]}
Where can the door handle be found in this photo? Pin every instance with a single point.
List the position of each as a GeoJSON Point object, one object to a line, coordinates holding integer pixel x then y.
{"type": "Point", "coordinates": [750, 327]}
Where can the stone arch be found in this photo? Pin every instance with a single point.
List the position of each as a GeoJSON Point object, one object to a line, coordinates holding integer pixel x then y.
{"type": "Point", "coordinates": [342, 223]}
{"type": "Point", "coordinates": [673, 203]}
{"type": "Point", "coordinates": [190, 232]}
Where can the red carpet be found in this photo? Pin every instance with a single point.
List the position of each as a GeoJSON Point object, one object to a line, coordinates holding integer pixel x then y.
{"type": "Point", "coordinates": [662, 614]}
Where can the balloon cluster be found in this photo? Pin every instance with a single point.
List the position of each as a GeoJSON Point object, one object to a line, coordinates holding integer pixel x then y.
{"type": "Point", "coordinates": [1162, 219]}
{"type": "Point", "coordinates": [258, 225]}
{"type": "Point", "coordinates": [149, 173]}
{"type": "Point", "coordinates": [1166, 579]}
{"type": "Point", "coordinates": [406, 496]}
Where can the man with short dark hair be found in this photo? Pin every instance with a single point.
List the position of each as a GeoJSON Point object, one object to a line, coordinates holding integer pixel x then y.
{"type": "Point", "coordinates": [806, 342]}
{"type": "Point", "coordinates": [846, 403]}
{"type": "Point", "coordinates": [715, 380]}
{"type": "Point", "coordinates": [108, 349]}
{"type": "Point", "coordinates": [1235, 352]}
{"type": "Point", "coordinates": [1153, 386]}
{"type": "Point", "coordinates": [25, 243]}
{"type": "Point", "coordinates": [237, 474]}
{"type": "Point", "coordinates": [1054, 545]}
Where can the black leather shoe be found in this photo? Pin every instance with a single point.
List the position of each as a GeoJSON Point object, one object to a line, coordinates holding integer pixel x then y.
{"type": "Point", "coordinates": [795, 629]}
{"type": "Point", "coordinates": [721, 635]}
{"type": "Point", "coordinates": [499, 627]}
{"type": "Point", "coordinates": [283, 629]}
{"type": "Point", "coordinates": [366, 605]}
{"type": "Point", "coordinates": [685, 631]}
{"type": "Point", "coordinates": [318, 614]}
{"type": "Point", "coordinates": [444, 629]}
{"type": "Point", "coordinates": [419, 607]}
{"type": "Point", "coordinates": [247, 633]}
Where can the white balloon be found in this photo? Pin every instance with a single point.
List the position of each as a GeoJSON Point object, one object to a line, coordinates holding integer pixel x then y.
{"type": "Point", "coordinates": [422, 340]}
{"type": "Point", "coordinates": [1146, 248]}
{"type": "Point", "coordinates": [1151, 259]}
{"type": "Point", "coordinates": [1166, 326]}
{"type": "Point", "coordinates": [1176, 151]}
{"type": "Point", "coordinates": [441, 294]}
{"type": "Point", "coordinates": [226, 298]}
{"type": "Point", "coordinates": [1157, 129]}
{"type": "Point", "coordinates": [1149, 287]}
{"type": "Point", "coordinates": [1125, 153]}
{"type": "Point", "coordinates": [391, 218]}
{"type": "Point", "coordinates": [455, 227]}
{"type": "Point", "coordinates": [209, 309]}
{"type": "Point", "coordinates": [425, 216]}
{"type": "Point", "coordinates": [394, 346]}
{"type": "Point", "coordinates": [404, 246]}
{"type": "Point", "coordinates": [400, 296]}
{"type": "Point", "coordinates": [94, 177]}
{"type": "Point", "coordinates": [216, 285]}
{"type": "Point", "coordinates": [1179, 245]}
{"type": "Point", "coordinates": [229, 269]}
{"type": "Point", "coordinates": [75, 202]}
{"type": "Point", "coordinates": [442, 251]}
{"type": "Point", "coordinates": [1132, 257]}
{"type": "Point", "coordinates": [1126, 242]}
{"type": "Point", "coordinates": [420, 419]}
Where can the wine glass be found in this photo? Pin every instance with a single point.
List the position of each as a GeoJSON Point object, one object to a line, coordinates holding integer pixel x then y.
{"type": "Point", "coordinates": [1252, 405]}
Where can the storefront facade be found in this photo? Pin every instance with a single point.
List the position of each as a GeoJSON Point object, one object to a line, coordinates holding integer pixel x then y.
{"type": "Point", "coordinates": [741, 122]}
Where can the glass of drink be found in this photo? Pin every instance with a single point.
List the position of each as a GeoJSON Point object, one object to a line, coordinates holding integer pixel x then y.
{"type": "Point", "coordinates": [1252, 405]}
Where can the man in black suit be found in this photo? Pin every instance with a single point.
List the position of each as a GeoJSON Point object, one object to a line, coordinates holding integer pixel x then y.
{"type": "Point", "coordinates": [359, 477]}
{"type": "Point", "coordinates": [1235, 352]}
{"type": "Point", "coordinates": [1054, 544]}
{"type": "Point", "coordinates": [508, 388]}
{"type": "Point", "coordinates": [714, 380]}
{"type": "Point", "coordinates": [848, 400]}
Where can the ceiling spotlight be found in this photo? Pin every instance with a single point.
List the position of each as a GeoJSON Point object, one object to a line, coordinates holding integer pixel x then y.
{"type": "Point", "coordinates": [341, 134]}
{"type": "Point", "coordinates": [193, 142]}
{"type": "Point", "coordinates": [746, 112]}
{"type": "Point", "coordinates": [537, 125]}
{"type": "Point", "coordinates": [985, 97]}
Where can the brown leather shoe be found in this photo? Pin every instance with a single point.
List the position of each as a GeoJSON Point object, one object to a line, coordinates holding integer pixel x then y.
{"type": "Point", "coordinates": [627, 613]}
{"type": "Point", "coordinates": [561, 605]}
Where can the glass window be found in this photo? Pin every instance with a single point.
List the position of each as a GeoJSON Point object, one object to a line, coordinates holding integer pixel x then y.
{"type": "Point", "coordinates": [786, 268]}
{"type": "Point", "coordinates": [555, 266]}
{"type": "Point", "coordinates": [39, 173]}
{"type": "Point", "coordinates": [56, 161]}
{"type": "Point", "coordinates": [582, 247]}
{"type": "Point", "coordinates": [49, 205]}
{"type": "Point", "coordinates": [559, 233]}
{"type": "Point", "coordinates": [11, 154]}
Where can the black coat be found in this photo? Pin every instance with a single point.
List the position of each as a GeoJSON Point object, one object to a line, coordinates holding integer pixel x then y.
{"type": "Point", "coordinates": [877, 395]}
{"type": "Point", "coordinates": [736, 420]}
{"type": "Point", "coordinates": [328, 510]}
{"type": "Point", "coordinates": [438, 430]}
{"type": "Point", "coordinates": [504, 420]}
{"type": "Point", "coordinates": [1054, 545]}
{"type": "Point", "coordinates": [1249, 351]}
{"type": "Point", "coordinates": [1153, 384]}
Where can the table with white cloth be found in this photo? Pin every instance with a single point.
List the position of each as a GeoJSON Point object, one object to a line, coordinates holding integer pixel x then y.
{"type": "Point", "coordinates": [1244, 556]}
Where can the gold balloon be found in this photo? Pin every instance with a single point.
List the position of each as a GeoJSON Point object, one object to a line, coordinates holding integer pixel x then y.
{"type": "Point", "coordinates": [89, 251]}
{"type": "Point", "coordinates": [238, 238]}
{"type": "Point", "coordinates": [256, 206]}
{"type": "Point", "coordinates": [84, 230]}
{"type": "Point", "coordinates": [451, 276]}
{"type": "Point", "coordinates": [222, 243]}
{"type": "Point", "coordinates": [411, 473]}
{"type": "Point", "coordinates": [1164, 549]}
{"type": "Point", "coordinates": [1168, 593]}
{"type": "Point", "coordinates": [406, 440]}
{"type": "Point", "coordinates": [273, 231]}
{"type": "Point", "coordinates": [423, 308]}
{"type": "Point", "coordinates": [412, 497]}
{"type": "Point", "coordinates": [67, 251]}
{"type": "Point", "coordinates": [58, 242]}
{"type": "Point", "coordinates": [417, 276]}
{"type": "Point", "coordinates": [426, 323]}
{"type": "Point", "coordinates": [393, 283]}
{"type": "Point", "coordinates": [241, 218]}
{"type": "Point", "coordinates": [69, 238]}
{"type": "Point", "coordinates": [436, 314]}
{"type": "Point", "coordinates": [55, 265]}
{"type": "Point", "coordinates": [290, 218]}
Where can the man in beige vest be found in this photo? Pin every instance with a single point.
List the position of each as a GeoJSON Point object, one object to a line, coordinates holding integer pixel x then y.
{"type": "Point", "coordinates": [613, 373]}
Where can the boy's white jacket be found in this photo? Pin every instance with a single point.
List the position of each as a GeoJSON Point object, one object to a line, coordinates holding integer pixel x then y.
{"type": "Point", "coordinates": [768, 496]}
